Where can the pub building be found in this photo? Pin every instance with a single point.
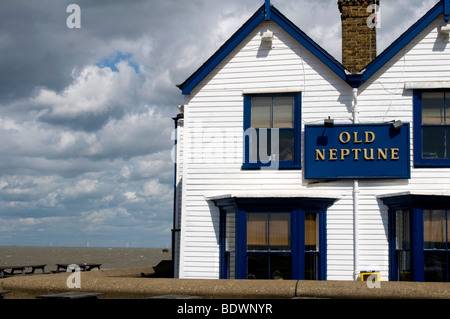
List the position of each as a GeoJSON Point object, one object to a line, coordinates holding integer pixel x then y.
{"type": "Point", "coordinates": [292, 165]}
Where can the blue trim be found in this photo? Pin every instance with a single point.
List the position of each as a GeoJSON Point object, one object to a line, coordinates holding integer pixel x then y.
{"type": "Point", "coordinates": [297, 251]}
{"type": "Point", "coordinates": [323, 245]}
{"type": "Point", "coordinates": [247, 124]}
{"type": "Point", "coordinates": [417, 258]}
{"type": "Point", "coordinates": [223, 271]}
{"type": "Point", "coordinates": [354, 80]}
{"type": "Point", "coordinates": [296, 237]}
{"type": "Point", "coordinates": [308, 43]}
{"type": "Point", "coordinates": [446, 10]}
{"type": "Point", "coordinates": [300, 246]}
{"type": "Point", "coordinates": [317, 136]}
{"type": "Point", "coordinates": [296, 163]}
{"type": "Point", "coordinates": [188, 85]}
{"type": "Point", "coordinates": [267, 10]}
{"type": "Point", "coordinates": [402, 41]}
{"type": "Point", "coordinates": [419, 161]}
{"type": "Point", "coordinates": [261, 15]}
{"type": "Point", "coordinates": [297, 207]}
{"type": "Point", "coordinates": [392, 235]}
{"type": "Point", "coordinates": [241, 245]}
{"type": "Point", "coordinates": [417, 127]}
{"type": "Point", "coordinates": [416, 204]}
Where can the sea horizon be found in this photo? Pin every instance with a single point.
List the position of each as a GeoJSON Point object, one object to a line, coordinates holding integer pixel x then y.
{"type": "Point", "coordinates": [87, 246]}
{"type": "Point", "coordinates": [109, 257]}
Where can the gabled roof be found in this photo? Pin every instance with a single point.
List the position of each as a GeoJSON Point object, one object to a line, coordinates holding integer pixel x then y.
{"type": "Point", "coordinates": [269, 12]}
{"type": "Point", "coordinates": [265, 12]}
{"type": "Point", "coordinates": [442, 7]}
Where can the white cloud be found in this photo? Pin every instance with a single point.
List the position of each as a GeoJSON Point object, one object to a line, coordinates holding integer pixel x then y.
{"type": "Point", "coordinates": [95, 96]}
{"type": "Point", "coordinates": [130, 195]}
{"type": "Point", "coordinates": [154, 188]}
{"type": "Point", "coordinates": [101, 216]}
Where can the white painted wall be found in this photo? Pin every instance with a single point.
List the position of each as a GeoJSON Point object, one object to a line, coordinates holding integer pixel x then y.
{"type": "Point", "coordinates": [213, 144]}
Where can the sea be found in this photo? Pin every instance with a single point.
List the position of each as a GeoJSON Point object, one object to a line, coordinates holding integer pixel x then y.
{"type": "Point", "coordinates": [109, 257]}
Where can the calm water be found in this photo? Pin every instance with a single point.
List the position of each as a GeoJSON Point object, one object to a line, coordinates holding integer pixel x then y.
{"type": "Point", "coordinates": [110, 258]}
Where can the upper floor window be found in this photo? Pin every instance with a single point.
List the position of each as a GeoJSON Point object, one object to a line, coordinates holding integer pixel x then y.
{"type": "Point", "coordinates": [272, 131]}
{"type": "Point", "coordinates": [432, 128]}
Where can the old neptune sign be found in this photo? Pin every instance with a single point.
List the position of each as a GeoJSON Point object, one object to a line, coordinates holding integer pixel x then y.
{"type": "Point", "coordinates": [356, 151]}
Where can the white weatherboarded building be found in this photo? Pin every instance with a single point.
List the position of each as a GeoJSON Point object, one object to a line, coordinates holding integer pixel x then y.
{"type": "Point", "coordinates": [291, 166]}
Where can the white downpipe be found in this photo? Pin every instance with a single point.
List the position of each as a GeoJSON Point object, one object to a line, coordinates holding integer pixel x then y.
{"type": "Point", "coordinates": [355, 229]}
{"type": "Point", "coordinates": [355, 199]}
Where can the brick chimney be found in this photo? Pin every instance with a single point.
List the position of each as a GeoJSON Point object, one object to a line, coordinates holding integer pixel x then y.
{"type": "Point", "coordinates": [359, 41]}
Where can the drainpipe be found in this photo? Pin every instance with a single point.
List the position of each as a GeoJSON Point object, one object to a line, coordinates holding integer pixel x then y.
{"type": "Point", "coordinates": [175, 228]}
{"type": "Point", "coordinates": [355, 198]}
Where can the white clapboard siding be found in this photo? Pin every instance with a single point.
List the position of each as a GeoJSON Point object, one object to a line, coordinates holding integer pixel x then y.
{"type": "Point", "coordinates": [214, 115]}
{"type": "Point", "coordinates": [213, 144]}
{"type": "Point", "coordinates": [382, 99]}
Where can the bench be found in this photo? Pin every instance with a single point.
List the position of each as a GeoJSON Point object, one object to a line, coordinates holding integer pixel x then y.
{"type": "Point", "coordinates": [83, 266]}
{"type": "Point", "coordinates": [20, 270]}
{"type": "Point", "coordinates": [72, 295]}
{"type": "Point", "coordinates": [2, 293]}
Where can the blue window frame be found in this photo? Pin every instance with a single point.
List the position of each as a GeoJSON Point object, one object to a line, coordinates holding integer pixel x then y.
{"type": "Point", "coordinates": [431, 128]}
{"type": "Point", "coordinates": [272, 239]}
{"type": "Point", "coordinates": [272, 131]}
{"type": "Point", "coordinates": [419, 238]}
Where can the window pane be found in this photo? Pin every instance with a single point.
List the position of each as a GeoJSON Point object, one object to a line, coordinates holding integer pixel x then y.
{"type": "Point", "coordinates": [434, 229]}
{"type": "Point", "coordinates": [230, 232]}
{"type": "Point", "coordinates": [283, 112]}
{"type": "Point", "coordinates": [258, 266]}
{"type": "Point", "coordinates": [435, 266]}
{"type": "Point", "coordinates": [447, 107]}
{"type": "Point", "coordinates": [260, 145]}
{"type": "Point", "coordinates": [447, 141]}
{"type": "Point", "coordinates": [286, 145]}
{"type": "Point", "coordinates": [402, 229]}
{"type": "Point", "coordinates": [404, 266]}
{"type": "Point", "coordinates": [403, 244]}
{"type": "Point", "coordinates": [257, 231]}
{"type": "Point", "coordinates": [262, 112]}
{"type": "Point", "coordinates": [231, 265]}
{"type": "Point", "coordinates": [280, 231]}
{"type": "Point", "coordinates": [264, 145]}
{"type": "Point", "coordinates": [272, 144]}
{"type": "Point", "coordinates": [433, 107]}
{"type": "Point", "coordinates": [433, 142]}
{"type": "Point", "coordinates": [311, 232]}
{"type": "Point", "coordinates": [280, 266]}
{"type": "Point", "coordinates": [311, 266]}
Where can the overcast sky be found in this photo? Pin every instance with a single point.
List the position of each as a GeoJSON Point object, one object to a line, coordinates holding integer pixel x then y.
{"type": "Point", "coordinates": [86, 113]}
